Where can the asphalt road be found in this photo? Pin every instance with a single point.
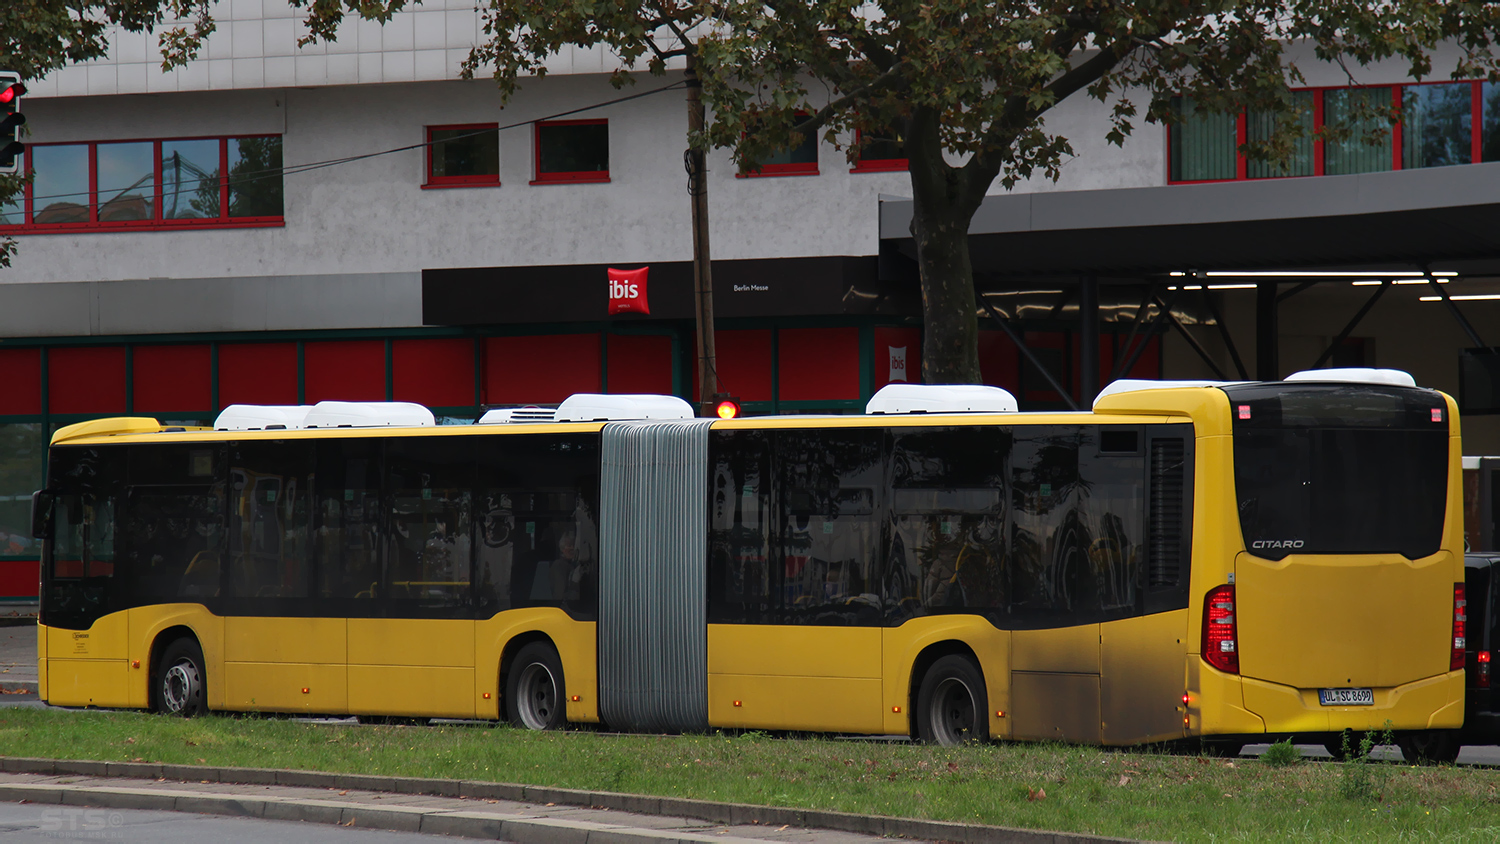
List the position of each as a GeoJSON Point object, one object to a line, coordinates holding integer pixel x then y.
{"type": "Point", "coordinates": [33, 822]}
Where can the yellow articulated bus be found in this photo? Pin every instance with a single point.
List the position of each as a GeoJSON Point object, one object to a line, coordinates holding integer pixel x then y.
{"type": "Point", "coordinates": [1190, 560]}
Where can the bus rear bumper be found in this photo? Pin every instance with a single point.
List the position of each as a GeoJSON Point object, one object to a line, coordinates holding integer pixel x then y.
{"type": "Point", "coordinates": [1432, 703]}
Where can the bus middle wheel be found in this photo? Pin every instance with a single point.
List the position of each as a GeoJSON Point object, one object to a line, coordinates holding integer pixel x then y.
{"type": "Point", "coordinates": [535, 691]}
{"type": "Point", "coordinates": [952, 705]}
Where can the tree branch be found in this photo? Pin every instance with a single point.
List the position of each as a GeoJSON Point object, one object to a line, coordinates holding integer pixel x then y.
{"type": "Point", "coordinates": [818, 119]}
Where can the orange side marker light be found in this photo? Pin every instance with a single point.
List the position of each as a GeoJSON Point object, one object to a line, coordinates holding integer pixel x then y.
{"type": "Point", "coordinates": [736, 703]}
{"type": "Point", "coordinates": [486, 695]}
{"type": "Point", "coordinates": [304, 690]}
{"type": "Point", "coordinates": [576, 698]}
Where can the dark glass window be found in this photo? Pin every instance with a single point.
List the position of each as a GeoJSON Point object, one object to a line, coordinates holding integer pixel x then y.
{"type": "Point", "coordinates": [190, 179]}
{"type": "Point", "coordinates": [255, 177]}
{"type": "Point", "coordinates": [740, 527]}
{"type": "Point", "coordinates": [948, 543]}
{"type": "Point", "coordinates": [1203, 144]}
{"type": "Point", "coordinates": [464, 155]}
{"type": "Point", "coordinates": [60, 193]}
{"type": "Point", "coordinates": [79, 563]}
{"type": "Point", "coordinates": [1490, 122]}
{"type": "Point", "coordinates": [572, 150]}
{"type": "Point", "coordinates": [1260, 126]}
{"type": "Point", "coordinates": [431, 523]}
{"type": "Point", "coordinates": [1364, 113]}
{"type": "Point", "coordinates": [270, 519]}
{"type": "Point", "coordinates": [831, 483]}
{"type": "Point", "coordinates": [1340, 469]}
{"type": "Point", "coordinates": [536, 523]}
{"type": "Point", "coordinates": [1052, 574]}
{"type": "Point", "coordinates": [1437, 125]}
{"type": "Point", "coordinates": [879, 145]}
{"type": "Point", "coordinates": [348, 522]}
{"type": "Point", "coordinates": [23, 455]}
{"type": "Point", "coordinates": [172, 530]}
{"type": "Point", "coordinates": [127, 181]}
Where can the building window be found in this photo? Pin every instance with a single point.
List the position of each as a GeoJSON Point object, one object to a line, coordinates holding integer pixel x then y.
{"type": "Point", "coordinates": [1368, 147]}
{"type": "Point", "coordinates": [463, 155]}
{"type": "Point", "coordinates": [800, 160]}
{"type": "Point", "coordinates": [1441, 124]}
{"type": "Point", "coordinates": [572, 151]}
{"type": "Point", "coordinates": [880, 151]}
{"type": "Point", "coordinates": [1203, 144]}
{"type": "Point", "coordinates": [166, 184]}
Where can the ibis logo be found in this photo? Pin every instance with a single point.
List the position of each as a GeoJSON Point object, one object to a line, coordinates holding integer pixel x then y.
{"type": "Point", "coordinates": [627, 291]}
{"type": "Point", "coordinates": [1275, 544]}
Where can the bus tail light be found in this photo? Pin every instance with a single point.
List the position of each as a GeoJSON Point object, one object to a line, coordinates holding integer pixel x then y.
{"type": "Point", "coordinates": [1221, 641]}
{"type": "Point", "coordinates": [1484, 669]}
{"type": "Point", "coordinates": [1460, 622]}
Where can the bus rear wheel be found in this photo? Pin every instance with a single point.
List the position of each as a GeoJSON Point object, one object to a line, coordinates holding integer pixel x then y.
{"type": "Point", "coordinates": [179, 684]}
{"type": "Point", "coordinates": [1429, 747]}
{"type": "Point", "coordinates": [952, 705]}
{"type": "Point", "coordinates": [534, 691]}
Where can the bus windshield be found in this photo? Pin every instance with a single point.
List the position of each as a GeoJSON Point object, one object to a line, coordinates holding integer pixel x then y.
{"type": "Point", "coordinates": [1340, 469]}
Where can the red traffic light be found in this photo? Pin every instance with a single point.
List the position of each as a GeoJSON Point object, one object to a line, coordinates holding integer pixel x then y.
{"type": "Point", "coordinates": [727, 408]}
{"type": "Point", "coordinates": [16, 89]}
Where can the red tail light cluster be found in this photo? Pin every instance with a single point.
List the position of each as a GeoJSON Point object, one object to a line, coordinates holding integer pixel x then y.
{"type": "Point", "coordinates": [1484, 669]}
{"type": "Point", "coordinates": [1460, 622]}
{"type": "Point", "coordinates": [1221, 641]}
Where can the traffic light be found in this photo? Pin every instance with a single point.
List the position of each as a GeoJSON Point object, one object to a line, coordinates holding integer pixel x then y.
{"type": "Point", "coordinates": [11, 120]}
{"type": "Point", "coordinates": [726, 407]}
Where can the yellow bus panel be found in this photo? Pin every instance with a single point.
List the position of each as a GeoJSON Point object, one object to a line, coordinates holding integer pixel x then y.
{"type": "Point", "coordinates": [794, 650]}
{"type": "Point", "coordinates": [824, 704]}
{"type": "Point", "coordinates": [1070, 650]}
{"type": "Point", "coordinates": [904, 644]}
{"type": "Point", "coordinates": [286, 687]}
{"type": "Point", "coordinates": [1140, 697]}
{"type": "Point", "coordinates": [1055, 707]}
{"type": "Point", "coordinates": [1436, 702]}
{"type": "Point", "coordinates": [277, 639]}
{"type": "Point", "coordinates": [107, 638]}
{"type": "Point", "coordinates": [88, 682]}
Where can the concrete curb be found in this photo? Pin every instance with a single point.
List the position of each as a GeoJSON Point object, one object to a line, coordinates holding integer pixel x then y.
{"type": "Point", "coordinates": [544, 831]}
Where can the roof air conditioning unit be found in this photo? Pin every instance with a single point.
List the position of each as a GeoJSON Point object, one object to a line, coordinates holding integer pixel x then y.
{"type": "Point", "coordinates": [262, 417]}
{"type": "Point", "coordinates": [1356, 375]}
{"type": "Point", "coordinates": [941, 398]}
{"type": "Point", "coordinates": [515, 415]}
{"type": "Point", "coordinates": [596, 407]}
{"type": "Point", "coordinates": [368, 414]}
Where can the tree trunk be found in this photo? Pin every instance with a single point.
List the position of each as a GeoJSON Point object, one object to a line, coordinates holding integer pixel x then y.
{"type": "Point", "coordinates": [941, 210]}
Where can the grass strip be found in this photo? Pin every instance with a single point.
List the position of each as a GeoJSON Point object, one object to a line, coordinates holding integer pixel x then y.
{"type": "Point", "coordinates": [1135, 793]}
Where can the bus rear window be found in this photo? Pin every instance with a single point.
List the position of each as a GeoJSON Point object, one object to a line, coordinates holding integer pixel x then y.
{"type": "Point", "coordinates": [1352, 469]}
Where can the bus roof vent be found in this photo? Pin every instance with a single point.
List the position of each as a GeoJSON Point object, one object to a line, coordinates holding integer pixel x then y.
{"type": "Point", "coordinates": [596, 407]}
{"type": "Point", "coordinates": [1357, 375]}
{"type": "Point", "coordinates": [261, 417]}
{"type": "Point", "coordinates": [368, 414]}
{"type": "Point", "coordinates": [513, 415]}
{"type": "Point", "coordinates": [1136, 385]}
{"type": "Point", "coordinates": [941, 398]}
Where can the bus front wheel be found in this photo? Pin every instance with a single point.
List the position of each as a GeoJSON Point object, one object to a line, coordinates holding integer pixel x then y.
{"type": "Point", "coordinates": [952, 705]}
{"type": "Point", "coordinates": [179, 687]}
{"type": "Point", "coordinates": [534, 691]}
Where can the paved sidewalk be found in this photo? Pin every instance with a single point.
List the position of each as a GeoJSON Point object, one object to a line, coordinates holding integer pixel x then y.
{"type": "Point", "coordinates": [523, 814]}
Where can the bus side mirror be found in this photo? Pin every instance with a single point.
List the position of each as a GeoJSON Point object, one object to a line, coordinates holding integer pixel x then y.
{"type": "Point", "coordinates": [42, 504]}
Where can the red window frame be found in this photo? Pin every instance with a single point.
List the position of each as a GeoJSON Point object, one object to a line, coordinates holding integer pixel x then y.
{"type": "Point", "coordinates": [156, 223]}
{"type": "Point", "coordinates": [569, 177]}
{"type": "Point", "coordinates": [876, 165]}
{"type": "Point", "coordinates": [805, 168]}
{"type": "Point", "coordinates": [1476, 131]}
{"type": "Point", "coordinates": [457, 181]}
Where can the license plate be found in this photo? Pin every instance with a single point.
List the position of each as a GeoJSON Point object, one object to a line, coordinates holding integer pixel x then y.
{"type": "Point", "coordinates": [1346, 697]}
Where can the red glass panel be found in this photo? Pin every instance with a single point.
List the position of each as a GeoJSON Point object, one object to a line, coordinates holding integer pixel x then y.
{"type": "Point", "coordinates": [545, 369]}
{"type": "Point", "coordinates": [818, 364]}
{"type": "Point", "coordinates": [172, 378]}
{"type": "Point", "coordinates": [344, 370]}
{"type": "Point", "coordinates": [86, 379]}
{"type": "Point", "coordinates": [21, 375]}
{"type": "Point", "coordinates": [640, 363]}
{"type": "Point", "coordinates": [999, 361]}
{"type": "Point", "coordinates": [743, 361]}
{"type": "Point", "coordinates": [436, 373]}
{"type": "Point", "coordinates": [19, 578]}
{"type": "Point", "coordinates": [257, 373]}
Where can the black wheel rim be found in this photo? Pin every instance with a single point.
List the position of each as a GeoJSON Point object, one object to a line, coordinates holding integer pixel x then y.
{"type": "Point", "coordinates": [953, 712]}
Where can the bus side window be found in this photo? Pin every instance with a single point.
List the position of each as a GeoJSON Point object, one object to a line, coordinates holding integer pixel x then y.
{"type": "Point", "coordinates": [429, 499]}
{"type": "Point", "coordinates": [1113, 510]}
{"type": "Point", "coordinates": [270, 519]}
{"type": "Point", "coordinates": [348, 518]}
{"type": "Point", "coordinates": [831, 482]}
{"type": "Point", "coordinates": [173, 533]}
{"type": "Point", "coordinates": [739, 527]}
{"type": "Point", "coordinates": [948, 522]}
{"type": "Point", "coordinates": [1053, 579]}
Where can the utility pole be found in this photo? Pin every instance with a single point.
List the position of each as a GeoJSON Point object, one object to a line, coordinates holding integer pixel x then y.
{"type": "Point", "coordinates": [703, 287]}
